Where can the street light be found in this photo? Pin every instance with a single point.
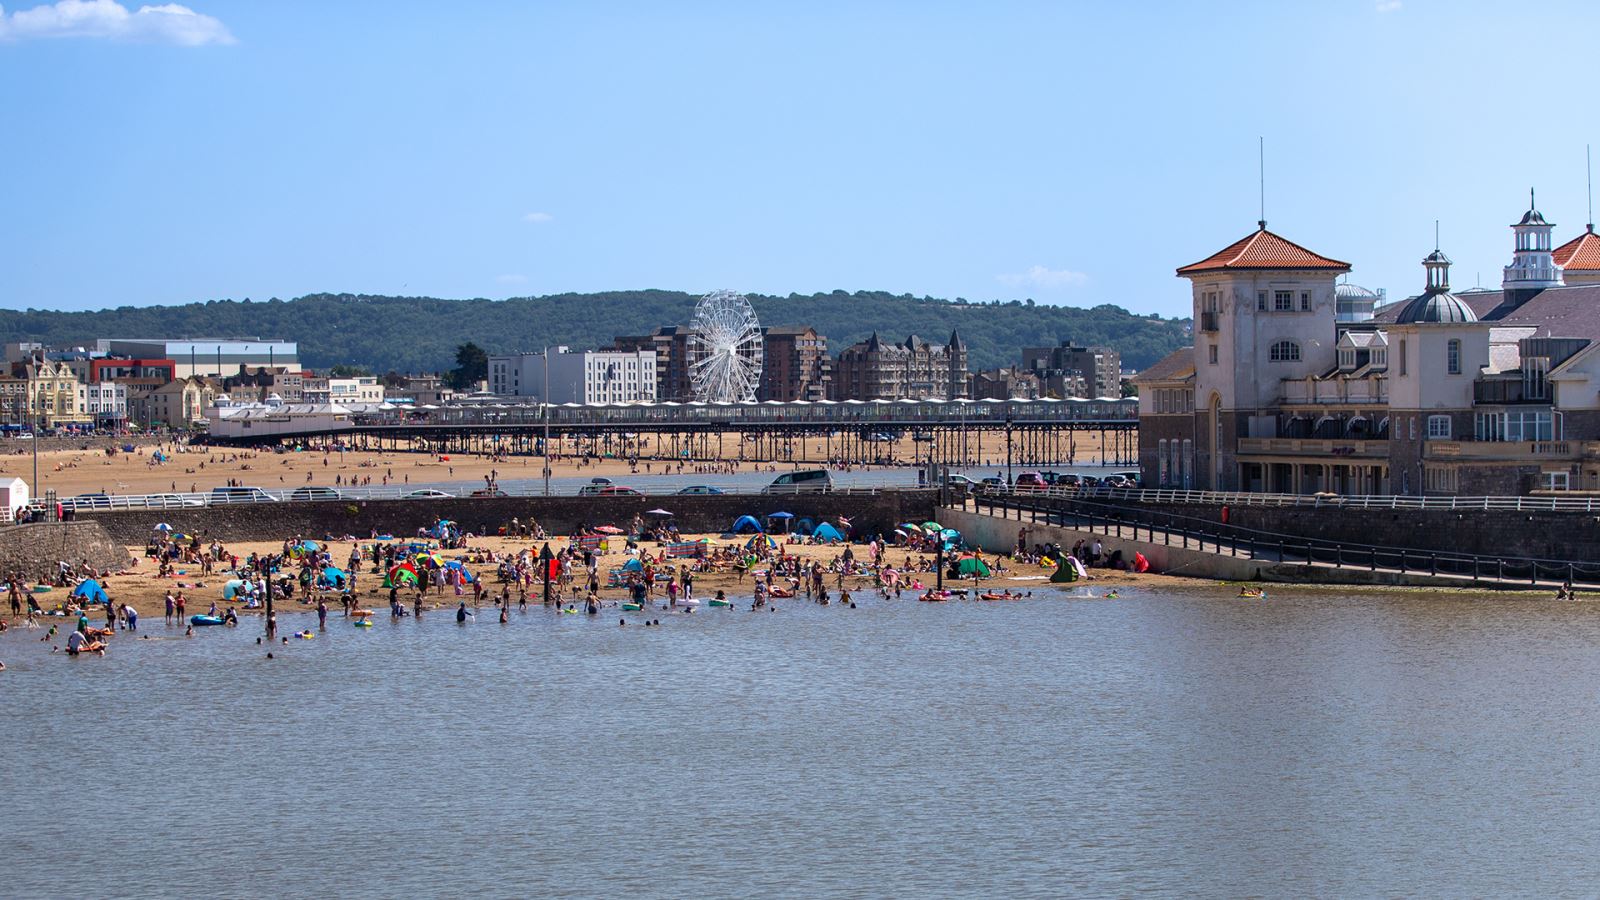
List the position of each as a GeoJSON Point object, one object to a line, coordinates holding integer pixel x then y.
{"type": "Point", "coordinates": [1009, 482]}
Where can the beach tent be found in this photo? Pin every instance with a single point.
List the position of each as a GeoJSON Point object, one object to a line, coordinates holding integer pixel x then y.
{"type": "Point", "coordinates": [744, 522]}
{"type": "Point", "coordinates": [633, 565]}
{"type": "Point", "coordinates": [1065, 573]}
{"type": "Point", "coordinates": [90, 591]}
{"type": "Point", "coordinates": [466, 573]}
{"type": "Point", "coordinates": [332, 577]}
{"type": "Point", "coordinates": [1069, 570]}
{"type": "Point", "coordinates": [972, 566]}
{"type": "Point", "coordinates": [804, 526]}
{"type": "Point", "coordinates": [233, 587]}
{"type": "Point", "coordinates": [826, 532]}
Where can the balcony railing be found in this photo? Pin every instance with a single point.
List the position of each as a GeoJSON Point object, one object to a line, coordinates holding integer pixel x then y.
{"type": "Point", "coordinates": [1508, 390]}
{"type": "Point", "coordinates": [1510, 451]}
{"type": "Point", "coordinates": [1208, 320]}
{"type": "Point", "coordinates": [1315, 447]}
{"type": "Point", "coordinates": [1337, 391]}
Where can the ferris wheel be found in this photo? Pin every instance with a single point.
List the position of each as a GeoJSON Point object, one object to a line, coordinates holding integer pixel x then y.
{"type": "Point", "coordinates": [725, 349]}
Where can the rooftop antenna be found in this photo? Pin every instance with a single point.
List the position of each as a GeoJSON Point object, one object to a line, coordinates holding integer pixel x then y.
{"type": "Point", "coordinates": [1261, 169]}
{"type": "Point", "coordinates": [1436, 235]}
{"type": "Point", "coordinates": [1588, 176]}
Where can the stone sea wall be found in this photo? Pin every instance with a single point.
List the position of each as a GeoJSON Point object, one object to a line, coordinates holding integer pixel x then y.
{"type": "Point", "coordinates": [869, 513]}
{"type": "Point", "coordinates": [35, 549]}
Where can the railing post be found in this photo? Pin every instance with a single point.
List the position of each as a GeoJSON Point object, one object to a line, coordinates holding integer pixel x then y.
{"type": "Point", "coordinates": [1500, 568]}
{"type": "Point", "coordinates": [1338, 556]}
{"type": "Point", "coordinates": [1433, 564]}
{"type": "Point", "coordinates": [1569, 573]}
{"type": "Point", "coordinates": [1374, 559]}
{"type": "Point", "coordinates": [1280, 551]}
{"type": "Point", "coordinates": [1402, 559]}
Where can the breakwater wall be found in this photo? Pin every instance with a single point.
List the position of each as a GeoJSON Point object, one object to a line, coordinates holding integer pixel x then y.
{"type": "Point", "coordinates": [869, 513]}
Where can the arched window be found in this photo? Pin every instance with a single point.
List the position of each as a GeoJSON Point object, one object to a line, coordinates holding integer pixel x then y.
{"type": "Point", "coordinates": [1284, 351]}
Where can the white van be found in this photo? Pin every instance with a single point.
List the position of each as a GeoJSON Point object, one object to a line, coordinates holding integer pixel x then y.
{"type": "Point", "coordinates": [800, 482]}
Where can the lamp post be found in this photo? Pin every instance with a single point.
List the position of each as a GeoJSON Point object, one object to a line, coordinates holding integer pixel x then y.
{"type": "Point", "coordinates": [545, 392]}
{"type": "Point", "coordinates": [1008, 450]}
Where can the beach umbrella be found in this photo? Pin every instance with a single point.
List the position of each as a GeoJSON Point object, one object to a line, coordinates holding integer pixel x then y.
{"type": "Point", "coordinates": [609, 529]}
{"type": "Point", "coordinates": [911, 527]}
{"type": "Point", "coordinates": [780, 515]}
{"type": "Point", "coordinates": [657, 512]}
{"type": "Point", "coordinates": [932, 527]}
{"type": "Point", "coordinates": [163, 527]}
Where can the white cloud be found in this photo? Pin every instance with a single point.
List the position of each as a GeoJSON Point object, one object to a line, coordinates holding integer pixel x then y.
{"type": "Point", "coordinates": [538, 218]}
{"type": "Point", "coordinates": [1041, 277]}
{"type": "Point", "coordinates": [1387, 6]}
{"type": "Point", "coordinates": [167, 23]}
{"type": "Point", "coordinates": [511, 279]}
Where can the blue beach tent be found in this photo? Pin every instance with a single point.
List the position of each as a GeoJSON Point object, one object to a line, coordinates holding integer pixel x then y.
{"type": "Point", "coordinates": [90, 591]}
{"type": "Point", "coordinates": [746, 523]}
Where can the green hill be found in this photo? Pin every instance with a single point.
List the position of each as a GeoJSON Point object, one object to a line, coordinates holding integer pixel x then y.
{"type": "Point", "coordinates": [420, 334]}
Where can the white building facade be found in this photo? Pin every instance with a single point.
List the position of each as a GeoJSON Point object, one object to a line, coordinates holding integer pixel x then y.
{"type": "Point", "coordinates": [594, 376]}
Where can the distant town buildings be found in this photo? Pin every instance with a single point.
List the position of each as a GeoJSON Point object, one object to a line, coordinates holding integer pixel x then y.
{"type": "Point", "coordinates": [795, 364]}
{"type": "Point", "coordinates": [1072, 371]}
{"type": "Point", "coordinates": [218, 357]}
{"type": "Point", "coordinates": [875, 369]}
{"type": "Point", "coordinates": [1005, 384]}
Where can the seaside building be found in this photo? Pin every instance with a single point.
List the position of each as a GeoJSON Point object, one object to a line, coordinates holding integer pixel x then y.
{"type": "Point", "coordinates": [795, 364]}
{"type": "Point", "coordinates": [327, 389]}
{"type": "Point", "coordinates": [261, 382]}
{"type": "Point", "coordinates": [1481, 392]}
{"type": "Point", "coordinates": [593, 376]}
{"type": "Point", "coordinates": [206, 356]}
{"type": "Point", "coordinates": [1004, 384]}
{"type": "Point", "coordinates": [176, 404]}
{"type": "Point", "coordinates": [875, 369]}
{"type": "Point", "coordinates": [1073, 371]}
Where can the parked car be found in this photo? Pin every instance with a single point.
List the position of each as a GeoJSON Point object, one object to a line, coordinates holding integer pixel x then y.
{"type": "Point", "coordinates": [701, 489]}
{"type": "Point", "coordinates": [992, 484]}
{"type": "Point", "coordinates": [598, 480]}
{"type": "Point", "coordinates": [427, 494]}
{"type": "Point", "coordinates": [312, 492]}
{"type": "Point", "coordinates": [225, 495]}
{"type": "Point", "coordinates": [618, 490]}
{"type": "Point", "coordinates": [1031, 481]}
{"type": "Point", "coordinates": [963, 484]}
{"type": "Point", "coordinates": [489, 492]}
{"type": "Point", "coordinates": [590, 490]}
{"type": "Point", "coordinates": [803, 481]}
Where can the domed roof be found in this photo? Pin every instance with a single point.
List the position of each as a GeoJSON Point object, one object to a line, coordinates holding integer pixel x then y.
{"type": "Point", "coordinates": [1353, 290]}
{"type": "Point", "coordinates": [1532, 217]}
{"type": "Point", "coordinates": [1436, 307]}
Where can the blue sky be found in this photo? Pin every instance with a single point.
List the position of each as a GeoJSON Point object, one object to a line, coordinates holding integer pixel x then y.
{"type": "Point", "coordinates": [1072, 153]}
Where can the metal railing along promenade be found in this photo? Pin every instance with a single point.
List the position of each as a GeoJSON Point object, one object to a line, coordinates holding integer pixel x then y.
{"type": "Point", "coordinates": [1192, 532]}
{"type": "Point", "coordinates": [313, 494]}
{"type": "Point", "coordinates": [1543, 502]}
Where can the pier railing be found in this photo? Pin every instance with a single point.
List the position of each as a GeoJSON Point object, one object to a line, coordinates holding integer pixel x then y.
{"type": "Point", "coordinates": [1192, 532]}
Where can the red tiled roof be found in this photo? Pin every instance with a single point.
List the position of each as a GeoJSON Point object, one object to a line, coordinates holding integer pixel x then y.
{"type": "Point", "coordinates": [1264, 250]}
{"type": "Point", "coordinates": [1175, 366]}
{"type": "Point", "coordinates": [1582, 253]}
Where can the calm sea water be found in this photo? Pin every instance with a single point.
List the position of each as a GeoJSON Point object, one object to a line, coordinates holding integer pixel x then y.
{"type": "Point", "coordinates": [1178, 743]}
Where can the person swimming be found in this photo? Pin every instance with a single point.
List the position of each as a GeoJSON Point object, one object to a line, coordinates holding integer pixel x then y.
{"type": "Point", "coordinates": [461, 613]}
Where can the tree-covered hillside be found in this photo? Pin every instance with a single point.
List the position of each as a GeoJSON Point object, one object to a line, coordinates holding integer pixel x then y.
{"type": "Point", "coordinates": [420, 334]}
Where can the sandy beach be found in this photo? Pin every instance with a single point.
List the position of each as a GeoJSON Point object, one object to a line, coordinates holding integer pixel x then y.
{"type": "Point", "coordinates": [198, 469]}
